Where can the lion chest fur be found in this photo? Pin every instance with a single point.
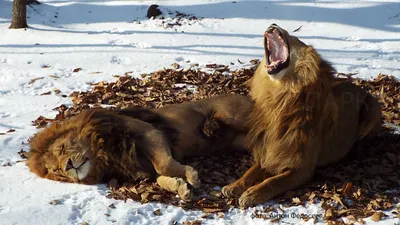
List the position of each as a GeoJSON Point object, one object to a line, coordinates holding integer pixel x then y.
{"type": "Point", "coordinates": [282, 128]}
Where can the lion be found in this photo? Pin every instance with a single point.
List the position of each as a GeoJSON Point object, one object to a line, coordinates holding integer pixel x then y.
{"type": "Point", "coordinates": [303, 118]}
{"type": "Point", "coordinates": [136, 143]}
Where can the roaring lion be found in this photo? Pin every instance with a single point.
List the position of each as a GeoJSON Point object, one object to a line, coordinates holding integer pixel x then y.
{"type": "Point", "coordinates": [99, 144]}
{"type": "Point", "coordinates": [303, 118]}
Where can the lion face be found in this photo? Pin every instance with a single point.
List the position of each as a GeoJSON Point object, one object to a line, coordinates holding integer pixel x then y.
{"type": "Point", "coordinates": [282, 51]}
{"type": "Point", "coordinates": [63, 155]}
{"type": "Point", "coordinates": [70, 160]}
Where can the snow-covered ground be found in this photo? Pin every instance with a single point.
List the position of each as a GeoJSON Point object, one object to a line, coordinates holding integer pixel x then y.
{"type": "Point", "coordinates": [106, 38]}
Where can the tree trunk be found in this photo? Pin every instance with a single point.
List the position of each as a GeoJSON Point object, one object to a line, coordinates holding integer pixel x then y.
{"type": "Point", "coordinates": [18, 15]}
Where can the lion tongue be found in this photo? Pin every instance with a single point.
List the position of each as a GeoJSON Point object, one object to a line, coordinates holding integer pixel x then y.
{"type": "Point", "coordinates": [278, 51]}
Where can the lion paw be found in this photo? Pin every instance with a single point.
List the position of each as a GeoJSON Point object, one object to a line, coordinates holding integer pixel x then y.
{"type": "Point", "coordinates": [232, 190]}
{"type": "Point", "coordinates": [247, 199]}
{"type": "Point", "coordinates": [192, 177]}
{"type": "Point", "coordinates": [185, 192]}
{"type": "Point", "coordinates": [251, 197]}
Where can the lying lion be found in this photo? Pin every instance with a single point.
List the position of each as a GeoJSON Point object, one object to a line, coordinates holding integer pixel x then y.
{"type": "Point", "coordinates": [303, 118]}
{"type": "Point", "coordinates": [98, 145]}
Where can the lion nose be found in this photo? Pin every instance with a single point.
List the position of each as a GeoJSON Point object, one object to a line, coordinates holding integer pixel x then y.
{"type": "Point", "coordinates": [69, 165]}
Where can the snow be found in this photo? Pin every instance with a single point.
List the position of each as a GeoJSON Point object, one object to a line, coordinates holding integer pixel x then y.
{"type": "Point", "coordinates": [106, 38]}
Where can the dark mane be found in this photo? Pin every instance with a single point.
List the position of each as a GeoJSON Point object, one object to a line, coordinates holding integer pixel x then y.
{"type": "Point", "coordinates": [116, 147]}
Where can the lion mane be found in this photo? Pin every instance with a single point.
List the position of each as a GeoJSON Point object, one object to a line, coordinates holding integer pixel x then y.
{"type": "Point", "coordinates": [100, 135]}
{"type": "Point", "coordinates": [289, 116]}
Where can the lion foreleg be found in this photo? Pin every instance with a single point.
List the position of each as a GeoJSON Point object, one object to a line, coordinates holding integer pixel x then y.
{"type": "Point", "coordinates": [176, 185]}
{"type": "Point", "coordinates": [273, 186]}
{"type": "Point", "coordinates": [249, 178]}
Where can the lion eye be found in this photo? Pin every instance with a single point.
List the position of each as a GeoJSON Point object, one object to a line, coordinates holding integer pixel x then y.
{"type": "Point", "coordinates": [62, 152]}
{"type": "Point", "coordinates": [69, 165]}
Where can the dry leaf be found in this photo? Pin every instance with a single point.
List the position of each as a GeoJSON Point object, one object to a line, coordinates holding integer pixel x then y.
{"type": "Point", "coordinates": [296, 200]}
{"type": "Point", "coordinates": [157, 212]}
{"type": "Point", "coordinates": [348, 189]}
{"type": "Point", "coordinates": [328, 214]}
{"type": "Point", "coordinates": [35, 79]}
{"type": "Point", "coordinates": [377, 216]}
{"type": "Point", "coordinates": [46, 93]}
{"type": "Point", "coordinates": [145, 197]}
{"type": "Point", "coordinates": [57, 91]}
{"type": "Point", "coordinates": [275, 220]}
{"type": "Point", "coordinates": [55, 202]}
{"type": "Point", "coordinates": [194, 222]}
{"type": "Point", "coordinates": [23, 154]}
{"type": "Point", "coordinates": [175, 65]}
{"type": "Point", "coordinates": [206, 216]}
{"type": "Point", "coordinates": [41, 121]}
{"type": "Point", "coordinates": [337, 198]}
{"type": "Point", "coordinates": [53, 76]}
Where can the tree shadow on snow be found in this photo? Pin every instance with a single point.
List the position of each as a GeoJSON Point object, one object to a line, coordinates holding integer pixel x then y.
{"type": "Point", "coordinates": [365, 16]}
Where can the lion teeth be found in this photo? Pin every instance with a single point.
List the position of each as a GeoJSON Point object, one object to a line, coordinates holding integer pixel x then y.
{"type": "Point", "coordinates": [274, 64]}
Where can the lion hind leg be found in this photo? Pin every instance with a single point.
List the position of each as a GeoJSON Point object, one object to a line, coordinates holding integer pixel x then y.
{"type": "Point", "coordinates": [170, 167]}
{"type": "Point", "coordinates": [370, 118]}
{"type": "Point", "coordinates": [239, 142]}
{"type": "Point", "coordinates": [159, 153]}
{"type": "Point", "coordinates": [176, 185]}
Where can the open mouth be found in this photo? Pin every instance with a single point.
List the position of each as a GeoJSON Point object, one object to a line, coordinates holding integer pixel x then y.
{"type": "Point", "coordinates": [276, 49]}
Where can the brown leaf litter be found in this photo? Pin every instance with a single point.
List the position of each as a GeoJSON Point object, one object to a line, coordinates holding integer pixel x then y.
{"type": "Point", "coordinates": [35, 79]}
{"type": "Point", "coordinates": [8, 131]}
{"type": "Point", "coordinates": [174, 19]}
{"type": "Point", "coordinates": [362, 185]}
{"type": "Point", "coordinates": [23, 154]}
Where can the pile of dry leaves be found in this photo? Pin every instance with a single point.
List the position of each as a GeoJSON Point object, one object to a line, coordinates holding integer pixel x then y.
{"type": "Point", "coordinates": [177, 19]}
{"type": "Point", "coordinates": [387, 90]}
{"type": "Point", "coordinates": [366, 182]}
